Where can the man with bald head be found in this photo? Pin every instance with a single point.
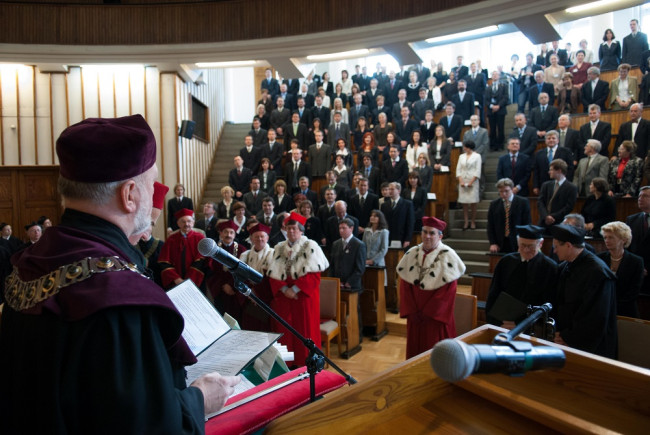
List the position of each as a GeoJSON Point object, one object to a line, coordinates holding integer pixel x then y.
{"type": "Point", "coordinates": [332, 224]}
{"type": "Point", "coordinates": [636, 129]}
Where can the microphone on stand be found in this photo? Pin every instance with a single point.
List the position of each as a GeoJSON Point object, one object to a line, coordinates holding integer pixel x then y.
{"type": "Point", "coordinates": [208, 248]}
{"type": "Point", "coordinates": [455, 360]}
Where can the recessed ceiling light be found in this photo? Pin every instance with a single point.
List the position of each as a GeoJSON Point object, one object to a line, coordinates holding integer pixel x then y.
{"type": "Point", "coordinates": [342, 54]}
{"type": "Point", "coordinates": [587, 6]}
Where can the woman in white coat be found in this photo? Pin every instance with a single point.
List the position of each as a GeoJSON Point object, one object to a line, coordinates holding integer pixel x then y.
{"type": "Point", "coordinates": [468, 173]}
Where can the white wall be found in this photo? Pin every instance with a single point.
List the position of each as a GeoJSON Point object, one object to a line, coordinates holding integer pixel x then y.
{"type": "Point", "coordinates": [239, 93]}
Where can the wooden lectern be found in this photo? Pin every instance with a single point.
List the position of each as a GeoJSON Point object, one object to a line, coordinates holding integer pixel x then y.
{"type": "Point", "coordinates": [590, 394]}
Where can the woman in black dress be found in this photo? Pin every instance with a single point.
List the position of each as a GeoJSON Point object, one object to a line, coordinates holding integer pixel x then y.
{"type": "Point", "coordinates": [599, 208]}
{"type": "Point", "coordinates": [280, 198]}
{"type": "Point", "coordinates": [415, 193]}
{"type": "Point", "coordinates": [313, 228]}
{"type": "Point", "coordinates": [609, 52]}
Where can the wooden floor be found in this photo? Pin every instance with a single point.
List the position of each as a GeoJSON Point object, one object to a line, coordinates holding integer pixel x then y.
{"type": "Point", "coordinates": [377, 356]}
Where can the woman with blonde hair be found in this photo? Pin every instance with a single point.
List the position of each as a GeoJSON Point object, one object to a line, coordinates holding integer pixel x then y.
{"type": "Point", "coordinates": [224, 207]}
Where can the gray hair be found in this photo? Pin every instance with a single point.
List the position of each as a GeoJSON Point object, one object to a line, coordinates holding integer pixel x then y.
{"type": "Point", "coordinates": [552, 133]}
{"type": "Point", "coordinates": [595, 145]}
{"type": "Point", "coordinates": [594, 70]}
{"type": "Point", "coordinates": [97, 193]}
{"type": "Point", "coordinates": [505, 182]}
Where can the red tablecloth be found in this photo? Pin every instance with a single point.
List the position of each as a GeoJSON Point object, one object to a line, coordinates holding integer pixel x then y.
{"type": "Point", "coordinates": [258, 413]}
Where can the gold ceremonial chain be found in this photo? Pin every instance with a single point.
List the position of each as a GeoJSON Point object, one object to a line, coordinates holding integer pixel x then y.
{"type": "Point", "coordinates": [22, 295]}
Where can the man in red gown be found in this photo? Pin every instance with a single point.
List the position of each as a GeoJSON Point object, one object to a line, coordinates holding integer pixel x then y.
{"type": "Point", "coordinates": [179, 257]}
{"type": "Point", "coordinates": [295, 283]}
{"type": "Point", "coordinates": [428, 275]}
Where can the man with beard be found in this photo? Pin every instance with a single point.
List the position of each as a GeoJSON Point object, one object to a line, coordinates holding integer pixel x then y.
{"type": "Point", "coordinates": [84, 333]}
{"type": "Point", "coordinates": [259, 258]}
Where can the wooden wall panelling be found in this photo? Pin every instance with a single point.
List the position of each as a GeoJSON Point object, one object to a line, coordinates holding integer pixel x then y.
{"type": "Point", "coordinates": [75, 96]}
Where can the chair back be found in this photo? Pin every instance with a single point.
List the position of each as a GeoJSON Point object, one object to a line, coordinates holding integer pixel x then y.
{"type": "Point", "coordinates": [330, 298]}
{"type": "Point", "coordinates": [465, 313]}
{"type": "Point", "coordinates": [634, 341]}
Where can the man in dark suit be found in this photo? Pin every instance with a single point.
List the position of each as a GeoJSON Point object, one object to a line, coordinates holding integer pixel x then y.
{"type": "Point", "coordinates": [295, 169]}
{"type": "Point", "coordinates": [460, 70]}
{"type": "Point", "coordinates": [267, 216]}
{"type": "Point", "coordinates": [289, 99]}
{"type": "Point", "coordinates": [332, 224]}
{"type": "Point", "coordinates": [348, 257]}
{"type": "Point", "coordinates": [476, 84]}
{"type": "Point", "coordinates": [253, 199]}
{"type": "Point", "coordinates": [178, 203]}
{"type": "Point", "coordinates": [526, 80]}
{"type": "Point", "coordinates": [634, 44]}
{"type": "Point", "coordinates": [464, 101]}
{"type": "Point", "coordinates": [281, 234]}
{"type": "Point", "coordinates": [209, 222]}
{"type": "Point", "coordinates": [396, 112]}
{"type": "Point", "coordinates": [357, 110]}
{"type": "Point", "coordinates": [557, 196]}
{"type": "Point", "coordinates": [338, 130]}
{"type": "Point", "coordinates": [544, 116]}
{"type": "Point", "coordinates": [250, 154]}
{"type": "Point", "coordinates": [399, 215]}
{"type": "Point", "coordinates": [307, 98]}
{"type": "Point", "coordinates": [381, 107]}
{"type": "Point", "coordinates": [320, 156]}
{"type": "Point", "coordinates": [392, 88]}
{"type": "Point", "coordinates": [404, 127]}
{"type": "Point", "coordinates": [595, 91]}
{"type": "Point", "coordinates": [537, 88]}
{"type": "Point", "coordinates": [641, 235]}
{"type": "Point", "coordinates": [326, 210]}
{"type": "Point", "coordinates": [304, 111]}
{"type": "Point", "coordinates": [371, 173]}
{"type": "Point", "coordinates": [527, 135]}
{"type": "Point", "coordinates": [569, 138]}
{"type": "Point", "coordinates": [421, 106]}
{"type": "Point", "coordinates": [545, 156]}
{"type": "Point", "coordinates": [596, 129]}
{"type": "Point", "coordinates": [239, 178]}
{"type": "Point", "coordinates": [362, 204]}
{"type": "Point", "coordinates": [273, 151]}
{"type": "Point", "coordinates": [303, 185]}
{"type": "Point", "coordinates": [321, 112]}
{"type": "Point", "coordinates": [496, 101]}
{"type": "Point", "coordinates": [331, 184]}
{"type": "Point", "coordinates": [562, 57]}
{"type": "Point", "coordinates": [504, 214]}
{"type": "Point", "coordinates": [270, 83]}
{"type": "Point", "coordinates": [258, 134]}
{"type": "Point", "coordinates": [515, 166]}
{"type": "Point", "coordinates": [423, 72]}
{"type": "Point", "coordinates": [296, 130]}
{"type": "Point", "coordinates": [394, 169]}
{"type": "Point", "coordinates": [372, 93]}
{"type": "Point", "coordinates": [279, 116]}
{"type": "Point", "coordinates": [641, 128]}
{"type": "Point", "coordinates": [452, 123]}
{"type": "Point", "coordinates": [293, 85]}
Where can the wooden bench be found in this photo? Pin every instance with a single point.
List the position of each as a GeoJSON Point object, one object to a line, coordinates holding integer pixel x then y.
{"type": "Point", "coordinates": [373, 303]}
{"type": "Point", "coordinates": [350, 322]}
{"type": "Point", "coordinates": [393, 256]}
{"type": "Point", "coordinates": [480, 288]}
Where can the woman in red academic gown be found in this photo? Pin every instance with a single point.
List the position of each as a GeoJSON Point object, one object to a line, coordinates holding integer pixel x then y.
{"type": "Point", "coordinates": [428, 275]}
{"type": "Point", "coordinates": [294, 275]}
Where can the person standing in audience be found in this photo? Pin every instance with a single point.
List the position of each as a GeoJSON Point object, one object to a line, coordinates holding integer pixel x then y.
{"type": "Point", "coordinates": [360, 130]}
{"type": "Point", "coordinates": [267, 216]}
{"type": "Point", "coordinates": [553, 73]}
{"type": "Point", "coordinates": [496, 101]}
{"type": "Point", "coordinates": [569, 95]}
{"type": "Point", "coordinates": [266, 176]}
{"type": "Point", "coordinates": [468, 173]}
{"type": "Point", "coordinates": [594, 91]}
{"type": "Point", "coordinates": [625, 171]}
{"type": "Point", "coordinates": [239, 178]}
{"type": "Point", "coordinates": [258, 134]}
{"type": "Point", "coordinates": [296, 130]}
{"type": "Point", "coordinates": [264, 107]}
{"type": "Point", "coordinates": [609, 52]}
{"type": "Point", "coordinates": [515, 166]}
{"type": "Point", "coordinates": [504, 215]}
{"type": "Point", "coordinates": [425, 171]}
{"type": "Point", "coordinates": [421, 106]}
{"type": "Point", "coordinates": [331, 232]}
{"type": "Point", "coordinates": [399, 215]}
{"type": "Point", "coordinates": [545, 156]}
{"type": "Point", "coordinates": [544, 116]}
{"type": "Point", "coordinates": [179, 257]}
{"type": "Point", "coordinates": [428, 278]}
{"type": "Point", "coordinates": [624, 90]}
{"type": "Point", "coordinates": [537, 88]}
{"type": "Point", "coordinates": [634, 44]}
{"type": "Point", "coordinates": [479, 136]}
{"type": "Point", "coordinates": [586, 296]}
{"type": "Point", "coordinates": [280, 116]}
{"type": "Point", "coordinates": [253, 199]}
{"type": "Point", "coordinates": [627, 267]}
{"type": "Point", "coordinates": [224, 207]}
{"type": "Point", "coordinates": [273, 150]}
{"type": "Point", "coordinates": [417, 195]}
{"type": "Point", "coordinates": [414, 148]}
{"type": "Point", "coordinates": [557, 196]}
{"type": "Point", "coordinates": [320, 111]}
{"type": "Point", "coordinates": [179, 202]}
{"type": "Point", "coordinates": [526, 80]}
{"type": "Point", "coordinates": [591, 166]}
{"type": "Point", "coordinates": [396, 113]}
{"type": "Point", "coordinates": [250, 154]}
{"type": "Point", "coordinates": [270, 83]}
{"type": "Point", "coordinates": [363, 203]}
{"type": "Point", "coordinates": [440, 149]}
{"type": "Point", "coordinates": [596, 129]}
{"type": "Point", "coordinates": [527, 135]}
{"type": "Point", "coordinates": [209, 222]}
{"type": "Point", "coordinates": [526, 275]}
{"type": "Point", "coordinates": [599, 208]}
{"type": "Point", "coordinates": [313, 227]}
{"type": "Point", "coordinates": [358, 109]}
{"type": "Point", "coordinates": [294, 275]}
{"type": "Point", "coordinates": [636, 130]}
{"type": "Point", "coordinates": [452, 123]}
{"type": "Point", "coordinates": [348, 258]}
{"type": "Point", "coordinates": [580, 71]}
{"type": "Point", "coordinates": [9, 241]}
{"type": "Point", "coordinates": [463, 101]}
{"type": "Point", "coordinates": [569, 138]}
{"type": "Point", "coordinates": [338, 130]}
{"type": "Point", "coordinates": [375, 237]}
{"type": "Point", "coordinates": [639, 224]}
{"type": "Point", "coordinates": [326, 210]}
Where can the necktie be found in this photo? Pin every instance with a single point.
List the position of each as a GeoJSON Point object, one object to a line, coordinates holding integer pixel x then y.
{"type": "Point", "coordinates": [494, 88]}
{"type": "Point", "coordinates": [513, 162]}
{"type": "Point", "coordinates": [367, 172]}
{"type": "Point", "coordinates": [394, 163]}
{"type": "Point", "coordinates": [550, 155]}
{"type": "Point", "coordinates": [521, 132]}
{"type": "Point", "coordinates": [361, 200]}
{"type": "Point", "coordinates": [238, 173]}
{"type": "Point", "coordinates": [295, 129]}
{"type": "Point", "coordinates": [543, 109]}
{"type": "Point", "coordinates": [266, 220]}
{"type": "Point", "coordinates": [507, 229]}
{"type": "Point", "coordinates": [254, 196]}
{"type": "Point", "coordinates": [394, 203]}
{"type": "Point", "coordinates": [562, 137]}
{"type": "Point", "coordinates": [634, 127]}
{"type": "Point", "coordinates": [550, 201]}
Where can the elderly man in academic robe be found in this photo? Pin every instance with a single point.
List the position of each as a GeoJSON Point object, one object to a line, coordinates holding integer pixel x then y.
{"type": "Point", "coordinates": [258, 257]}
{"type": "Point", "coordinates": [295, 283]}
{"type": "Point", "coordinates": [221, 285]}
{"type": "Point", "coordinates": [179, 257]}
{"type": "Point", "coordinates": [428, 275]}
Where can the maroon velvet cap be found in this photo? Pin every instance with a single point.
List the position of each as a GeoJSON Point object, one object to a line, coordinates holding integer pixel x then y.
{"type": "Point", "coordinates": [159, 192]}
{"type": "Point", "coordinates": [227, 225]}
{"type": "Point", "coordinates": [434, 223]}
{"type": "Point", "coordinates": [183, 212]}
{"type": "Point", "coordinates": [260, 227]}
{"type": "Point", "coordinates": [102, 150]}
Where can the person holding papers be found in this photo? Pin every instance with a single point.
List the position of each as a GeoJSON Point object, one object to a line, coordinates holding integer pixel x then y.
{"type": "Point", "coordinates": [85, 334]}
{"type": "Point", "coordinates": [221, 284]}
{"type": "Point", "coordinates": [259, 258]}
{"type": "Point", "coordinates": [294, 275]}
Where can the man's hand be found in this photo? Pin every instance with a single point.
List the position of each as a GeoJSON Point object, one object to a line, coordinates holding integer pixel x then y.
{"type": "Point", "coordinates": [494, 249]}
{"type": "Point", "coordinates": [549, 220]}
{"type": "Point", "coordinates": [227, 289]}
{"type": "Point", "coordinates": [559, 340]}
{"type": "Point", "coordinates": [406, 244]}
{"type": "Point", "coordinates": [178, 281]}
{"type": "Point", "coordinates": [216, 389]}
{"type": "Point", "coordinates": [536, 191]}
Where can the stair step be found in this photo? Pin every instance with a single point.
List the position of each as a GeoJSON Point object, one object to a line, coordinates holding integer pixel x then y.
{"type": "Point", "coordinates": [468, 244]}
{"type": "Point", "coordinates": [472, 256]}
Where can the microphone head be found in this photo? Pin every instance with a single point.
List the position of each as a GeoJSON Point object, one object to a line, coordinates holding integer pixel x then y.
{"type": "Point", "coordinates": [207, 247]}
{"type": "Point", "coordinates": [453, 360]}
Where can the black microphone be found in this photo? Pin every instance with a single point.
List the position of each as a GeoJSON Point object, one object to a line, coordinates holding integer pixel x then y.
{"type": "Point", "coordinates": [454, 360]}
{"type": "Point", "coordinates": [208, 248]}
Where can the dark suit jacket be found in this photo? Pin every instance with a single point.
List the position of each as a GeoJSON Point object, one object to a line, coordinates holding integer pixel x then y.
{"type": "Point", "coordinates": [294, 87]}
{"type": "Point", "coordinates": [374, 179]}
{"type": "Point", "coordinates": [332, 228]}
{"type": "Point", "coordinates": [273, 86]}
{"type": "Point", "coordinates": [391, 92]}
{"type": "Point", "coordinates": [420, 108]}
{"type": "Point", "coordinates": [353, 115]}
{"type": "Point", "coordinates": [302, 136]}
{"type": "Point", "coordinates": [348, 264]}
{"type": "Point", "coordinates": [419, 201]}
{"type": "Point", "coordinates": [304, 170]}
{"type": "Point", "coordinates": [453, 129]}
{"type": "Point", "coordinates": [563, 202]}
{"type": "Point", "coordinates": [460, 72]}
{"type": "Point", "coordinates": [307, 116]}
{"type": "Point", "coordinates": [404, 132]}
{"type": "Point", "coordinates": [540, 164]}
{"type": "Point", "coordinates": [323, 214]}
{"type": "Point", "coordinates": [396, 113]}
{"type": "Point", "coordinates": [376, 111]}
{"type": "Point", "coordinates": [465, 109]}
{"type": "Point", "coordinates": [211, 230]}
{"type": "Point", "coordinates": [289, 100]}
{"type": "Point", "coordinates": [270, 181]}
{"type": "Point", "coordinates": [344, 133]}
{"type": "Point", "coordinates": [274, 154]}
{"type": "Point", "coordinates": [641, 137]}
{"type": "Point", "coordinates": [401, 219]}
{"type": "Point", "coordinates": [603, 133]}
{"type": "Point", "coordinates": [254, 205]}
{"type": "Point", "coordinates": [173, 206]}
{"type": "Point", "coordinates": [445, 153]}
{"type": "Point", "coordinates": [240, 183]}
{"type": "Point", "coordinates": [528, 140]}
{"type": "Point", "coordinates": [640, 245]}
{"type": "Point", "coordinates": [363, 212]}
{"type": "Point", "coordinates": [279, 117]}
{"type": "Point", "coordinates": [598, 97]}
{"type": "Point", "coordinates": [371, 99]}
{"type": "Point", "coordinates": [533, 93]}
{"type": "Point", "coordinates": [522, 171]}
{"type": "Point", "coordinates": [281, 206]}
{"type": "Point", "coordinates": [562, 57]}
{"type": "Point", "coordinates": [274, 223]}
{"type": "Point", "coordinates": [544, 121]}
{"type": "Point", "coordinates": [252, 158]}
{"type": "Point", "coordinates": [477, 86]}
{"type": "Point", "coordinates": [428, 133]}
{"type": "Point", "coordinates": [323, 114]}
{"type": "Point", "coordinates": [259, 138]}
{"type": "Point", "coordinates": [633, 47]}
{"type": "Point", "coordinates": [496, 225]}
{"type": "Point", "coordinates": [499, 98]}
{"type": "Point", "coordinates": [572, 143]}
{"type": "Point", "coordinates": [338, 188]}
{"type": "Point", "coordinates": [629, 280]}
{"type": "Point", "coordinates": [399, 173]}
